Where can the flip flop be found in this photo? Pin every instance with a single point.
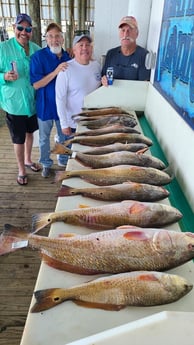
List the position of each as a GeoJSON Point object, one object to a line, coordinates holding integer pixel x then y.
{"type": "Point", "coordinates": [34, 167]}
{"type": "Point", "coordinates": [22, 180]}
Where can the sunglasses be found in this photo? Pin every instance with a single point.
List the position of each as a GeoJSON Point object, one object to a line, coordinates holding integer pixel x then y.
{"type": "Point", "coordinates": [28, 29]}
{"type": "Point", "coordinates": [81, 32]}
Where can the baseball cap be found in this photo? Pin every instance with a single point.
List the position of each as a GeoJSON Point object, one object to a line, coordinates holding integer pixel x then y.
{"type": "Point", "coordinates": [129, 20]}
{"type": "Point", "coordinates": [79, 38]}
{"type": "Point", "coordinates": [23, 17]}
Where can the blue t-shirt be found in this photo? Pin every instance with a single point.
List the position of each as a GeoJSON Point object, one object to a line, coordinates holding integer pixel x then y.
{"type": "Point", "coordinates": [130, 67]}
{"type": "Point", "coordinates": [42, 63]}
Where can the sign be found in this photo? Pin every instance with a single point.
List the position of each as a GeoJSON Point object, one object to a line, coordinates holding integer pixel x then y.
{"type": "Point", "coordinates": [174, 74]}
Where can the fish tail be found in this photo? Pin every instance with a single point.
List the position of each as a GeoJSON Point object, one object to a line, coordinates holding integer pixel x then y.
{"type": "Point", "coordinates": [40, 220]}
{"type": "Point", "coordinates": [58, 148]}
{"type": "Point", "coordinates": [12, 238]}
{"type": "Point", "coordinates": [61, 149]}
{"type": "Point", "coordinates": [61, 175]}
{"type": "Point", "coordinates": [67, 191]}
{"type": "Point", "coordinates": [67, 142]}
{"type": "Point", "coordinates": [48, 298]}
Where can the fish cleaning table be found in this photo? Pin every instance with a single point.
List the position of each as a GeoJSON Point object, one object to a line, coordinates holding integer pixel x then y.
{"type": "Point", "coordinates": [68, 323]}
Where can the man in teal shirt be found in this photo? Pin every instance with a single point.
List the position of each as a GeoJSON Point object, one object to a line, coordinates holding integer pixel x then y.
{"type": "Point", "coordinates": [17, 95]}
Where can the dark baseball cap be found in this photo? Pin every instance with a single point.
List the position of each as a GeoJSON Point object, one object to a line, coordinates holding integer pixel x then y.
{"type": "Point", "coordinates": [23, 17]}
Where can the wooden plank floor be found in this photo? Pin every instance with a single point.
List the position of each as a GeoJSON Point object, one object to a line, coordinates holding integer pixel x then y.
{"type": "Point", "coordinates": [18, 271]}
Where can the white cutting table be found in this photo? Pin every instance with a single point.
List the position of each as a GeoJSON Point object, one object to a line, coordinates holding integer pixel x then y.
{"type": "Point", "coordinates": [68, 323]}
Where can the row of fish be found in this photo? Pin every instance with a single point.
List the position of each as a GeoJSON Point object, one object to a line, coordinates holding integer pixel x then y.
{"type": "Point", "coordinates": [133, 246]}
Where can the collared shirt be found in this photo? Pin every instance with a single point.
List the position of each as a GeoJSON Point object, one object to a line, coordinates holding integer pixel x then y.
{"type": "Point", "coordinates": [16, 97]}
{"type": "Point", "coordinates": [42, 63]}
{"type": "Point", "coordinates": [130, 67]}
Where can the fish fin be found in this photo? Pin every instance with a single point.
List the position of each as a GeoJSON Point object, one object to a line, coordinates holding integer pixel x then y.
{"type": "Point", "coordinates": [58, 148]}
{"type": "Point", "coordinates": [127, 227]}
{"type": "Point", "coordinates": [67, 235]}
{"type": "Point", "coordinates": [136, 235]}
{"type": "Point", "coordinates": [142, 151]}
{"type": "Point", "coordinates": [83, 206]}
{"type": "Point", "coordinates": [13, 238]}
{"type": "Point", "coordinates": [40, 220]}
{"type": "Point", "coordinates": [99, 305]}
{"type": "Point", "coordinates": [169, 171]}
{"type": "Point", "coordinates": [67, 191]}
{"type": "Point", "coordinates": [60, 175]}
{"type": "Point", "coordinates": [46, 299]}
{"type": "Point", "coordinates": [63, 266]}
{"type": "Point", "coordinates": [147, 277]}
{"type": "Point", "coordinates": [136, 208]}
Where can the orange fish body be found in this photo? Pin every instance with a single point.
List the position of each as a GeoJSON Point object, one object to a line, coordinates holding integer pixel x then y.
{"type": "Point", "coordinates": [113, 251]}
{"type": "Point", "coordinates": [116, 292]}
{"type": "Point", "coordinates": [127, 212]}
{"type": "Point", "coordinates": [118, 174]}
{"type": "Point", "coordinates": [118, 192]}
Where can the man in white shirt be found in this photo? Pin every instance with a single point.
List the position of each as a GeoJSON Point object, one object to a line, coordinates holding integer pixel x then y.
{"type": "Point", "coordinates": [82, 76]}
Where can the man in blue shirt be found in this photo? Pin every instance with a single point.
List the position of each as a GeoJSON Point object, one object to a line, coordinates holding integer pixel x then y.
{"type": "Point", "coordinates": [44, 68]}
{"type": "Point", "coordinates": [127, 60]}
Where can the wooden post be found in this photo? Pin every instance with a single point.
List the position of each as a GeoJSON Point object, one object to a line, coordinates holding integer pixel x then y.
{"type": "Point", "coordinates": [57, 11]}
{"type": "Point", "coordinates": [34, 12]}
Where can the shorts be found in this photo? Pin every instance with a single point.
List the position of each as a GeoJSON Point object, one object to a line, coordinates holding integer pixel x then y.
{"type": "Point", "coordinates": [19, 125]}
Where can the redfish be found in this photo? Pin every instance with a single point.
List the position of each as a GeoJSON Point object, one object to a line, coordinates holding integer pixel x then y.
{"type": "Point", "coordinates": [133, 147]}
{"type": "Point", "coordinates": [118, 174]}
{"type": "Point", "coordinates": [118, 291]}
{"type": "Point", "coordinates": [102, 111]}
{"type": "Point", "coordinates": [95, 123]}
{"type": "Point", "coordinates": [143, 214]}
{"type": "Point", "coordinates": [116, 158]}
{"type": "Point", "coordinates": [115, 128]}
{"type": "Point", "coordinates": [118, 192]}
{"type": "Point", "coordinates": [109, 138]}
{"type": "Point", "coordinates": [113, 251]}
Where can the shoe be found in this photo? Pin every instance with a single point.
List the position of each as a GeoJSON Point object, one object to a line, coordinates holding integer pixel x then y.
{"type": "Point", "coordinates": [34, 167]}
{"type": "Point", "coordinates": [62, 165]}
{"type": "Point", "coordinates": [46, 172]}
{"type": "Point", "coordinates": [22, 180]}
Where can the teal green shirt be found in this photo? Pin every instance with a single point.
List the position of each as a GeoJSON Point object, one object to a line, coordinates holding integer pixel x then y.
{"type": "Point", "coordinates": [17, 97]}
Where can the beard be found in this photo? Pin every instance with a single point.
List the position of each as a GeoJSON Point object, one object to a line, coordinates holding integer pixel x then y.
{"type": "Point", "coordinates": [56, 50]}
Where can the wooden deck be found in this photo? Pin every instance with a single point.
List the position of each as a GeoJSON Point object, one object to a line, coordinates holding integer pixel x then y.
{"type": "Point", "coordinates": [18, 271]}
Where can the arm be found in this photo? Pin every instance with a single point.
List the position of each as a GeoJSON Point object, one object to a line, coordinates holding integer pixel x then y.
{"type": "Point", "coordinates": [49, 77]}
{"type": "Point", "coordinates": [61, 88]}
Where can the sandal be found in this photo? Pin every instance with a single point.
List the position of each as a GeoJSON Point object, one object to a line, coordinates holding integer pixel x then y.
{"type": "Point", "coordinates": [22, 180]}
{"type": "Point", "coordinates": [34, 167]}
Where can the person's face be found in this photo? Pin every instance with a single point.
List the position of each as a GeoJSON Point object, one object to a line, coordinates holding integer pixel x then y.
{"type": "Point", "coordinates": [23, 32]}
{"type": "Point", "coordinates": [127, 34]}
{"type": "Point", "coordinates": [54, 40]}
{"type": "Point", "coordinates": [83, 51]}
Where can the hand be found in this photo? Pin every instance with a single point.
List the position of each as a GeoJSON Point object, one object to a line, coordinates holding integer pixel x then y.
{"type": "Point", "coordinates": [61, 67]}
{"type": "Point", "coordinates": [104, 81]}
{"type": "Point", "coordinates": [67, 131]}
{"type": "Point", "coordinates": [10, 76]}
